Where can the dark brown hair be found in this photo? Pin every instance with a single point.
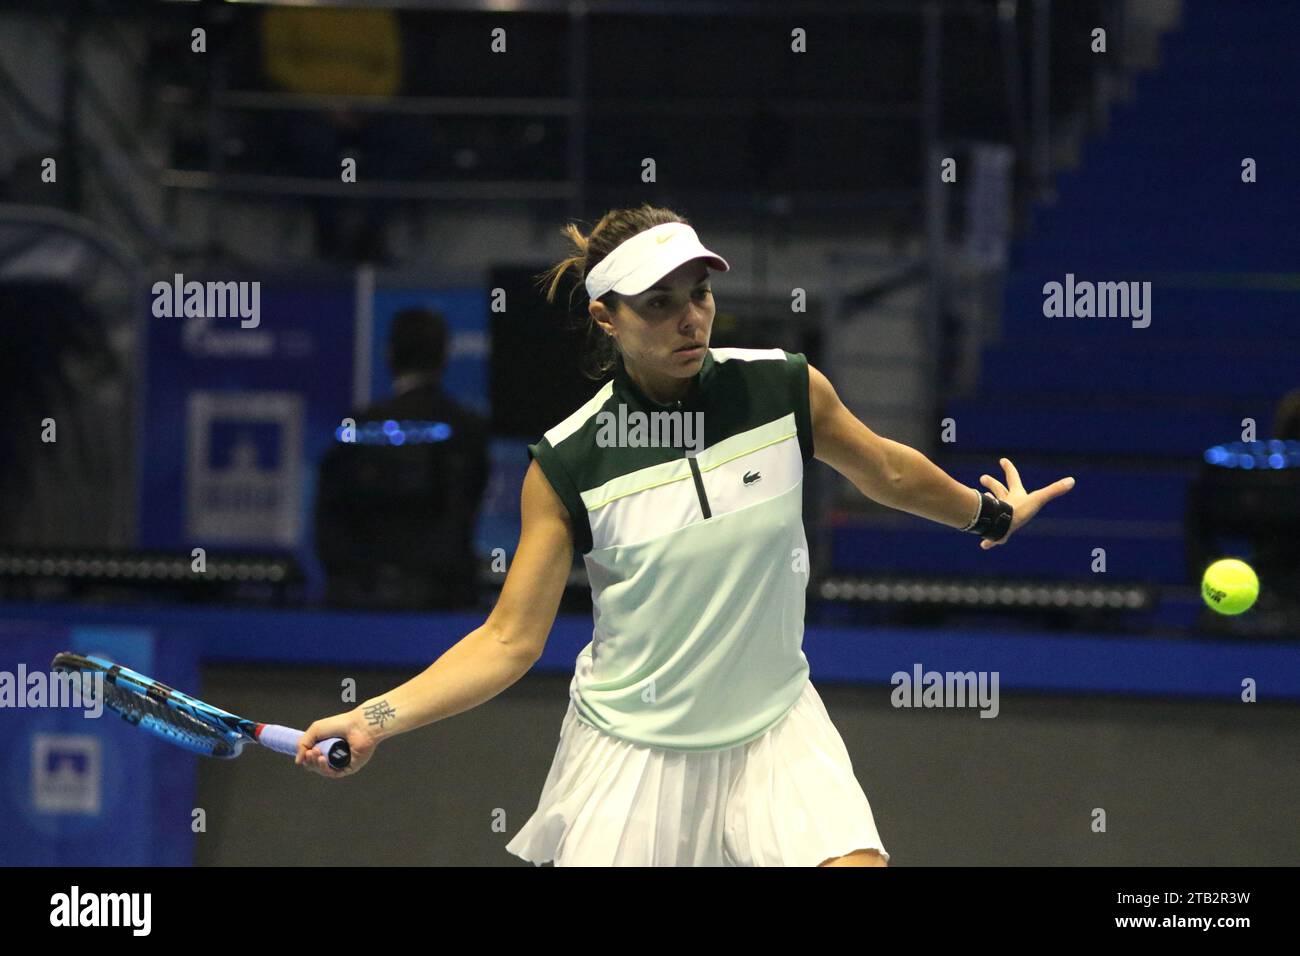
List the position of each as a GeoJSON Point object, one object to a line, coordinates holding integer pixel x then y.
{"type": "Point", "coordinates": [417, 341]}
{"type": "Point", "coordinates": [614, 228]}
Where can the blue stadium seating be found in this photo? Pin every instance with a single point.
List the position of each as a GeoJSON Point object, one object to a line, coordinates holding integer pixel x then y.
{"type": "Point", "coordinates": [1128, 411]}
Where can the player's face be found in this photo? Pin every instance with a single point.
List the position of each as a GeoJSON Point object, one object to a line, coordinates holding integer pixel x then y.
{"type": "Point", "coordinates": [664, 331]}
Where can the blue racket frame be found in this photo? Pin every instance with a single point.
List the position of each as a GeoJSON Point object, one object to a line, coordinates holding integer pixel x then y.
{"type": "Point", "coordinates": [185, 721]}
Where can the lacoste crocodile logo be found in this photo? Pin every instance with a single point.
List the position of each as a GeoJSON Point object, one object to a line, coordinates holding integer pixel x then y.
{"type": "Point", "coordinates": [752, 476]}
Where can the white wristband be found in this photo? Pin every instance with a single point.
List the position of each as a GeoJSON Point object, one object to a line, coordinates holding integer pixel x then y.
{"type": "Point", "coordinates": [979, 505]}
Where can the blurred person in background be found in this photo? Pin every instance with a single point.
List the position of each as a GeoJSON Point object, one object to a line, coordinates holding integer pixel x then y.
{"type": "Point", "coordinates": [395, 522]}
{"type": "Point", "coordinates": [1280, 552]}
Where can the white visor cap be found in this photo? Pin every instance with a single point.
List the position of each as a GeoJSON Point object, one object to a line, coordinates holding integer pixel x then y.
{"type": "Point", "coordinates": [639, 262]}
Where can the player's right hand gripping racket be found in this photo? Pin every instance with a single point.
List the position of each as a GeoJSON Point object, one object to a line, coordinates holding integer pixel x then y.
{"type": "Point", "coordinates": [187, 722]}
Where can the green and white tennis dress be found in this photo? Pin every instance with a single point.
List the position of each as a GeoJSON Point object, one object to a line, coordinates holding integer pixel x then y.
{"type": "Point", "coordinates": [693, 734]}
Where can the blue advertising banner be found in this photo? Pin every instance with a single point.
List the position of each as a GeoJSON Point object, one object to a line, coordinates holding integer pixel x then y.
{"type": "Point", "coordinates": [242, 397]}
{"type": "Point", "coordinates": [81, 787]}
{"type": "Point", "coordinates": [246, 383]}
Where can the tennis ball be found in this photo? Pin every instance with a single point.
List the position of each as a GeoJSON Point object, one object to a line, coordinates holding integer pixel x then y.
{"type": "Point", "coordinates": [1229, 586]}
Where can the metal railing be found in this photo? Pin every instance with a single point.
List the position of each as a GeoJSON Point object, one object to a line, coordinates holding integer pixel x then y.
{"type": "Point", "coordinates": [577, 108]}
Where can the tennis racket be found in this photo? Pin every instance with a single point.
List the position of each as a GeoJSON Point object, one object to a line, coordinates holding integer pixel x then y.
{"type": "Point", "coordinates": [187, 722]}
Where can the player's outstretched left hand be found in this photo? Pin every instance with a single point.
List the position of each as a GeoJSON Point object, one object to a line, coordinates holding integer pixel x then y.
{"type": "Point", "coordinates": [1024, 504]}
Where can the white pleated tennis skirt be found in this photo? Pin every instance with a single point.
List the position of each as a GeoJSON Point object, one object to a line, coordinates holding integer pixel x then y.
{"type": "Point", "coordinates": [787, 798]}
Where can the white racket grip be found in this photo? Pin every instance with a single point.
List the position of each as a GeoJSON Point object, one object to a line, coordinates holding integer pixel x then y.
{"type": "Point", "coordinates": [285, 740]}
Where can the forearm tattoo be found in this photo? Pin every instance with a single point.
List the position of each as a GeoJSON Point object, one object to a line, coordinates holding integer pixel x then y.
{"type": "Point", "coordinates": [378, 715]}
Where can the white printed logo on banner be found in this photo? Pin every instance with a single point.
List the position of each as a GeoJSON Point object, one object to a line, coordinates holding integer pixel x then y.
{"type": "Point", "coordinates": [243, 481]}
{"type": "Point", "coordinates": [66, 773]}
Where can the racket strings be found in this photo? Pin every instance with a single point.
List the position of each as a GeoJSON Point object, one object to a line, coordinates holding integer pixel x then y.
{"type": "Point", "coordinates": [167, 721]}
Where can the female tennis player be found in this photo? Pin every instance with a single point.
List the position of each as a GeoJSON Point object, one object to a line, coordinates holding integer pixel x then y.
{"type": "Point", "coordinates": [693, 735]}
